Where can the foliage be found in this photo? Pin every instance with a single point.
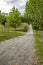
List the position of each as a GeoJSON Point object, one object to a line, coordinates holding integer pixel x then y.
{"type": "Point", "coordinates": [25, 28]}
{"type": "Point", "coordinates": [9, 35]}
{"type": "Point", "coordinates": [34, 12]}
{"type": "Point", "coordinates": [14, 18]}
{"type": "Point", "coordinates": [23, 19]}
{"type": "Point", "coordinates": [1, 17]}
{"type": "Point", "coordinates": [4, 20]}
{"type": "Point", "coordinates": [39, 46]}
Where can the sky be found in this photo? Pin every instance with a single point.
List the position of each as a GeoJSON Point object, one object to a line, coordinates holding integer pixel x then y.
{"type": "Point", "coordinates": [6, 5]}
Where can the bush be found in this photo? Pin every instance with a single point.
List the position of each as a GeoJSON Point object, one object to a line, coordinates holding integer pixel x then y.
{"type": "Point", "coordinates": [25, 28]}
{"type": "Point", "coordinates": [35, 26]}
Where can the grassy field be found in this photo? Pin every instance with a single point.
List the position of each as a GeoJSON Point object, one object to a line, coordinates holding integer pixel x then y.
{"type": "Point", "coordinates": [6, 34]}
{"type": "Point", "coordinates": [9, 35]}
{"type": "Point", "coordinates": [39, 47]}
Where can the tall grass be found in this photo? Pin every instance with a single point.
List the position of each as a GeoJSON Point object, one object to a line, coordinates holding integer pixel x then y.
{"type": "Point", "coordinates": [39, 47]}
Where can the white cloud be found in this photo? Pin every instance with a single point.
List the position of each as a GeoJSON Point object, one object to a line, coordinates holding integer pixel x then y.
{"type": "Point", "coordinates": [6, 5]}
{"type": "Point", "coordinates": [5, 8]}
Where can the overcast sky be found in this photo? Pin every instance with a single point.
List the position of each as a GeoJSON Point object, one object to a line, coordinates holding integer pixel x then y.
{"type": "Point", "coordinates": [6, 5]}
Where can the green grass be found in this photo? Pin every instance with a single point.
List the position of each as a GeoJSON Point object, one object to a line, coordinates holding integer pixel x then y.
{"type": "Point", "coordinates": [9, 35]}
{"type": "Point", "coordinates": [39, 47]}
{"type": "Point", "coordinates": [6, 33]}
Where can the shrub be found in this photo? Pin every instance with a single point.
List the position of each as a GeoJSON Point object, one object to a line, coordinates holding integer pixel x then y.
{"type": "Point", "coordinates": [25, 28]}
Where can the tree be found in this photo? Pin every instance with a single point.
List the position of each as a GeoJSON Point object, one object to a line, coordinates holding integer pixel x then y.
{"type": "Point", "coordinates": [3, 21]}
{"type": "Point", "coordinates": [34, 12]}
{"type": "Point", "coordinates": [23, 18]}
{"type": "Point", "coordinates": [1, 17]}
{"type": "Point", "coordinates": [14, 18]}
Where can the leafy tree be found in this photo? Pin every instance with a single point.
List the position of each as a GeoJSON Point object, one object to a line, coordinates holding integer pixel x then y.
{"type": "Point", "coordinates": [23, 18]}
{"type": "Point", "coordinates": [14, 18]}
{"type": "Point", "coordinates": [4, 21]}
{"type": "Point", "coordinates": [1, 17]}
{"type": "Point", "coordinates": [34, 12]}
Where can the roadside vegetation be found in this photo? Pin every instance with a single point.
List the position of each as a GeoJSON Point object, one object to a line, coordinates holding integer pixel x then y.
{"type": "Point", "coordinates": [20, 28]}
{"type": "Point", "coordinates": [34, 15]}
{"type": "Point", "coordinates": [6, 34]}
{"type": "Point", "coordinates": [39, 46]}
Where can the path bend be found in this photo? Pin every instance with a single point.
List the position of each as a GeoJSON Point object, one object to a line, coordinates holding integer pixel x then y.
{"type": "Point", "coordinates": [18, 51]}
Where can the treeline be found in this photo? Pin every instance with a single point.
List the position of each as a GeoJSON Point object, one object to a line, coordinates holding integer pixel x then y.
{"type": "Point", "coordinates": [34, 13]}
{"type": "Point", "coordinates": [12, 19]}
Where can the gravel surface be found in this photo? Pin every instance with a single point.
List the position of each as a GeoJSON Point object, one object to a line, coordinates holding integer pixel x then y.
{"type": "Point", "coordinates": [18, 51]}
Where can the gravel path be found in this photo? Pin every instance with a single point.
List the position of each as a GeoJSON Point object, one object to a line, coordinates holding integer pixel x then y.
{"type": "Point", "coordinates": [18, 51]}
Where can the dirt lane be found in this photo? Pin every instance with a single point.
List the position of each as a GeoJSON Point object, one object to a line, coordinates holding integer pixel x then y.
{"type": "Point", "coordinates": [18, 51]}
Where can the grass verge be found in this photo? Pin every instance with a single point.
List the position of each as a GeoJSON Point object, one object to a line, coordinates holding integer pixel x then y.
{"type": "Point", "coordinates": [9, 35]}
{"type": "Point", "coordinates": [39, 47]}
